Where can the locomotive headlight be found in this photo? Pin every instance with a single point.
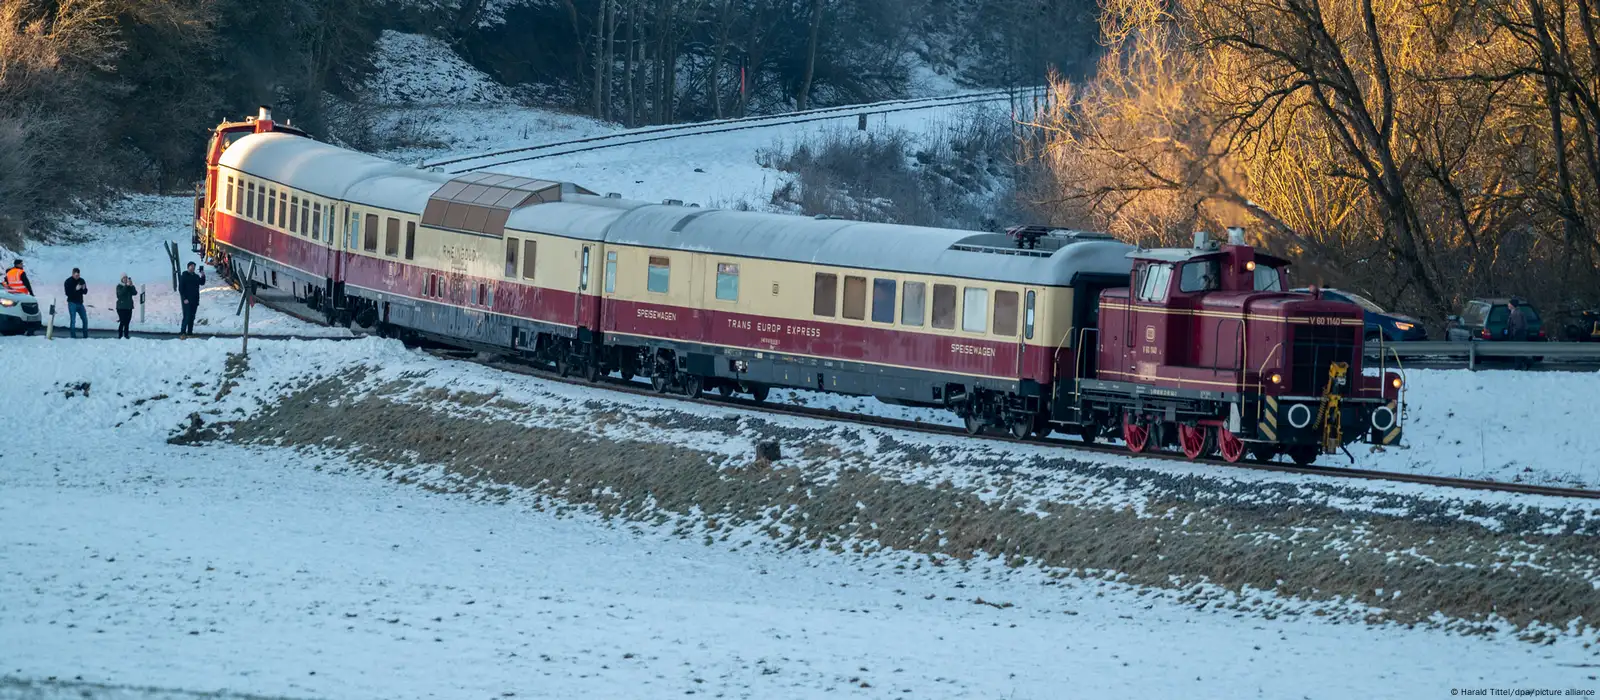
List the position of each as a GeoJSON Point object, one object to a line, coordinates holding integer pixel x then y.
{"type": "Point", "coordinates": [1403, 326]}
{"type": "Point", "coordinates": [1250, 266]}
{"type": "Point", "coordinates": [1394, 382]}
{"type": "Point", "coordinates": [1275, 378]}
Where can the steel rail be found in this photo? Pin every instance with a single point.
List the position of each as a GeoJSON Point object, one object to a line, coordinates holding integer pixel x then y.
{"type": "Point", "coordinates": [762, 119]}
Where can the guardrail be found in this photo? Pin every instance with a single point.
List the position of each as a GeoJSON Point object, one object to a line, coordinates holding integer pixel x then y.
{"type": "Point", "coordinates": [1472, 351]}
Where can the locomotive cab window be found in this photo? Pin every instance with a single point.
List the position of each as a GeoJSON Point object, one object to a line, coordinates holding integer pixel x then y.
{"type": "Point", "coordinates": [658, 277]}
{"type": "Point", "coordinates": [1199, 276]}
{"type": "Point", "coordinates": [1267, 279]}
{"type": "Point", "coordinates": [855, 297]}
{"type": "Point", "coordinates": [727, 281]}
{"type": "Point", "coordinates": [975, 309]}
{"type": "Point", "coordinates": [511, 257]}
{"type": "Point", "coordinates": [369, 240]}
{"type": "Point", "coordinates": [944, 306]}
{"type": "Point", "coordinates": [1157, 279]}
{"type": "Point", "coordinates": [882, 301]}
{"type": "Point", "coordinates": [391, 237]}
{"type": "Point", "coordinates": [530, 258]}
{"type": "Point", "coordinates": [913, 303]}
{"type": "Point", "coordinates": [1005, 313]}
{"type": "Point", "coordinates": [826, 297]}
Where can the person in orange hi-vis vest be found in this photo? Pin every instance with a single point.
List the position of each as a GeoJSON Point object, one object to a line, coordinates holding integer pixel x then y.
{"type": "Point", "coordinates": [17, 280]}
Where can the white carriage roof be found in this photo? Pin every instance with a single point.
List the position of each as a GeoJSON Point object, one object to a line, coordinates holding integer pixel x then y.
{"type": "Point", "coordinates": [855, 244]}
{"type": "Point", "coordinates": [333, 172]}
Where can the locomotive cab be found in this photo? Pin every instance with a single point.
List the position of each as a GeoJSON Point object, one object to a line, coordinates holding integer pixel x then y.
{"type": "Point", "coordinates": [1206, 350]}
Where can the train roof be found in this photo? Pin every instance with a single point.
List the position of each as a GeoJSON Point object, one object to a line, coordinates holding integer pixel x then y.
{"type": "Point", "coordinates": [332, 172]}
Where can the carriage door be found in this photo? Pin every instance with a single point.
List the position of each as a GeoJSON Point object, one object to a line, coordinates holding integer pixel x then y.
{"type": "Point", "coordinates": [586, 308]}
{"type": "Point", "coordinates": [1030, 302]}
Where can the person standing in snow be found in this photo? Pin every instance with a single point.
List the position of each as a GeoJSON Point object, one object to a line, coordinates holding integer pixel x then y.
{"type": "Point", "coordinates": [125, 294]}
{"type": "Point", "coordinates": [76, 287]}
{"type": "Point", "coordinates": [189, 292]}
{"type": "Point", "coordinates": [1516, 323]}
{"type": "Point", "coordinates": [16, 280]}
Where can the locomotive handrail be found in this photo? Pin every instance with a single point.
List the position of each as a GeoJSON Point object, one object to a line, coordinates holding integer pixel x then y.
{"type": "Point", "coordinates": [1263, 368]}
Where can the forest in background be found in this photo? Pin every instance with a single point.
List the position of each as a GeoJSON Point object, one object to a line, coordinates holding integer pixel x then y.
{"type": "Point", "coordinates": [99, 97]}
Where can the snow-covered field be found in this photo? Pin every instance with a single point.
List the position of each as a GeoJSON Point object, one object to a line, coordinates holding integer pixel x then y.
{"type": "Point", "coordinates": [127, 239]}
{"type": "Point", "coordinates": [125, 560]}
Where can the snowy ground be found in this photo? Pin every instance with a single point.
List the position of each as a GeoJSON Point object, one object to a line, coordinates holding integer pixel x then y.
{"type": "Point", "coordinates": [128, 561]}
{"type": "Point", "coordinates": [127, 239]}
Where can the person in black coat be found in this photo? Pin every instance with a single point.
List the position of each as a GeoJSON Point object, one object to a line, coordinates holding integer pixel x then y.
{"type": "Point", "coordinates": [189, 293]}
{"type": "Point", "coordinates": [76, 287]}
{"type": "Point", "coordinates": [125, 294]}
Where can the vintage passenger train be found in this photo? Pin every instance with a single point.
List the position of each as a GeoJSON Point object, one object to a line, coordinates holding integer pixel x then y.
{"type": "Point", "coordinates": [1030, 331]}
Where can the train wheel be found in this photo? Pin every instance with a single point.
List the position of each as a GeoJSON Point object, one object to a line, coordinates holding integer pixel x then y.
{"type": "Point", "coordinates": [1021, 427]}
{"type": "Point", "coordinates": [592, 372]}
{"type": "Point", "coordinates": [1231, 447]}
{"type": "Point", "coordinates": [1193, 440]}
{"type": "Point", "coordinates": [692, 386]}
{"type": "Point", "coordinates": [974, 424]}
{"type": "Point", "coordinates": [1304, 455]}
{"type": "Point", "coordinates": [759, 392]}
{"type": "Point", "coordinates": [658, 381]}
{"type": "Point", "coordinates": [1136, 436]}
{"type": "Point", "coordinates": [1089, 433]}
{"type": "Point", "coordinates": [563, 365]}
{"type": "Point", "coordinates": [1264, 453]}
{"type": "Point", "coordinates": [725, 390]}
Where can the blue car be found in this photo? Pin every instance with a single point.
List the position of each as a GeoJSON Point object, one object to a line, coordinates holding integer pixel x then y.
{"type": "Point", "coordinates": [1380, 324]}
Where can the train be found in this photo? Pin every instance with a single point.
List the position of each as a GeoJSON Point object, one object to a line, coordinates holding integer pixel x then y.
{"type": "Point", "coordinates": [1029, 332]}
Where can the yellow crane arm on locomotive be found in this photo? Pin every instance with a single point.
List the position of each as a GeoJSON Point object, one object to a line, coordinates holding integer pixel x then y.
{"type": "Point", "coordinates": [1328, 407]}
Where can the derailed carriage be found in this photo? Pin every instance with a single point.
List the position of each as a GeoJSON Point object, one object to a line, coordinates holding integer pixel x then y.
{"type": "Point", "coordinates": [1026, 332]}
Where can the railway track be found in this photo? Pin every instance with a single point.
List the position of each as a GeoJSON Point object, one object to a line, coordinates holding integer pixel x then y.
{"type": "Point", "coordinates": [467, 164]}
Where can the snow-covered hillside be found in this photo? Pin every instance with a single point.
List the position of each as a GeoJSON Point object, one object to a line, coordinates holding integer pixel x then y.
{"type": "Point", "coordinates": [422, 70]}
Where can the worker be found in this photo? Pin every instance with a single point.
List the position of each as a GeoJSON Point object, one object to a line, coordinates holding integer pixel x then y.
{"type": "Point", "coordinates": [17, 280]}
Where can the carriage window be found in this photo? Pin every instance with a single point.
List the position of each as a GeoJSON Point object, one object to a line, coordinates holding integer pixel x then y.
{"type": "Point", "coordinates": [433, 286]}
{"type": "Point", "coordinates": [913, 303]}
{"type": "Point", "coordinates": [391, 237]}
{"type": "Point", "coordinates": [230, 193]}
{"type": "Point", "coordinates": [611, 272]}
{"type": "Point", "coordinates": [659, 275]}
{"type": "Point", "coordinates": [283, 209]}
{"type": "Point", "coordinates": [316, 221]}
{"type": "Point", "coordinates": [530, 256]}
{"type": "Point", "coordinates": [261, 205]}
{"type": "Point", "coordinates": [1199, 276]}
{"type": "Point", "coordinates": [855, 297]}
{"type": "Point", "coordinates": [272, 207]}
{"type": "Point", "coordinates": [1157, 279]}
{"type": "Point", "coordinates": [826, 297]}
{"type": "Point", "coordinates": [294, 215]}
{"type": "Point", "coordinates": [369, 240]}
{"type": "Point", "coordinates": [1027, 322]}
{"type": "Point", "coordinates": [975, 310]}
{"type": "Point", "coordinates": [1005, 313]}
{"type": "Point", "coordinates": [1267, 279]}
{"type": "Point", "coordinates": [944, 306]}
{"type": "Point", "coordinates": [511, 257]}
{"type": "Point", "coordinates": [882, 301]}
{"type": "Point", "coordinates": [238, 196]}
{"type": "Point", "coordinates": [411, 240]}
{"type": "Point", "coordinates": [727, 281]}
{"type": "Point", "coordinates": [483, 294]}
{"type": "Point", "coordinates": [250, 201]}
{"type": "Point", "coordinates": [305, 218]}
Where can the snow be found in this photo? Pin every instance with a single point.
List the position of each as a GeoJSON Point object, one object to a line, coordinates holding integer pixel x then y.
{"type": "Point", "coordinates": [129, 561]}
{"type": "Point", "coordinates": [423, 70]}
{"type": "Point", "coordinates": [128, 239]}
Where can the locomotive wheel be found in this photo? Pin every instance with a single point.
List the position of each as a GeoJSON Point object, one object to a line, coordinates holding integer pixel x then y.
{"type": "Point", "coordinates": [627, 376]}
{"type": "Point", "coordinates": [1193, 440]}
{"type": "Point", "coordinates": [1089, 433]}
{"type": "Point", "coordinates": [1136, 436]}
{"type": "Point", "coordinates": [1304, 455]}
{"type": "Point", "coordinates": [1231, 447]}
{"type": "Point", "coordinates": [725, 390]}
{"type": "Point", "coordinates": [592, 372]}
{"type": "Point", "coordinates": [1021, 427]}
{"type": "Point", "coordinates": [692, 386]}
{"type": "Point", "coordinates": [759, 392]}
{"type": "Point", "coordinates": [563, 366]}
{"type": "Point", "coordinates": [974, 424]}
{"type": "Point", "coordinates": [658, 381]}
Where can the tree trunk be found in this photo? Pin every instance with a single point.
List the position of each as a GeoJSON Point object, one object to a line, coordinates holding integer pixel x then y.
{"type": "Point", "coordinates": [811, 56]}
{"type": "Point", "coordinates": [600, 59]}
{"type": "Point", "coordinates": [719, 53]}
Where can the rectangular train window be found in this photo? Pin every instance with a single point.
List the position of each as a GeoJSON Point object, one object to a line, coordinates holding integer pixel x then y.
{"type": "Point", "coordinates": [369, 231]}
{"type": "Point", "coordinates": [283, 209]}
{"type": "Point", "coordinates": [230, 193]}
{"type": "Point", "coordinates": [530, 256]}
{"type": "Point", "coordinates": [352, 233]}
{"type": "Point", "coordinates": [855, 297]}
{"type": "Point", "coordinates": [944, 306]}
{"type": "Point", "coordinates": [305, 217]}
{"type": "Point", "coordinates": [511, 257]}
{"type": "Point", "coordinates": [272, 207]}
{"type": "Point", "coordinates": [727, 281]}
{"type": "Point", "coordinates": [391, 237]}
{"type": "Point", "coordinates": [316, 221]}
{"type": "Point", "coordinates": [1005, 313]}
{"type": "Point", "coordinates": [975, 310]}
{"type": "Point", "coordinates": [1157, 278]}
{"type": "Point", "coordinates": [294, 215]}
{"type": "Point", "coordinates": [250, 201]}
{"type": "Point", "coordinates": [659, 276]}
{"type": "Point", "coordinates": [483, 294]}
{"type": "Point", "coordinates": [611, 272]}
{"type": "Point", "coordinates": [826, 297]}
{"type": "Point", "coordinates": [882, 301]}
{"type": "Point", "coordinates": [238, 196]}
{"type": "Point", "coordinates": [261, 205]}
{"type": "Point", "coordinates": [913, 303]}
{"type": "Point", "coordinates": [411, 240]}
{"type": "Point", "coordinates": [1027, 319]}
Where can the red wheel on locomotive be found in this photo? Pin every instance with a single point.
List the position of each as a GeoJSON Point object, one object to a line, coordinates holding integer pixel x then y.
{"type": "Point", "coordinates": [1136, 436]}
{"type": "Point", "coordinates": [1231, 447]}
{"type": "Point", "coordinates": [1193, 440]}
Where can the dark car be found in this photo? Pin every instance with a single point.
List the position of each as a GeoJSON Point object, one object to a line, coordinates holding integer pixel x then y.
{"type": "Point", "coordinates": [1485, 319]}
{"type": "Point", "coordinates": [1380, 324]}
{"type": "Point", "coordinates": [1583, 326]}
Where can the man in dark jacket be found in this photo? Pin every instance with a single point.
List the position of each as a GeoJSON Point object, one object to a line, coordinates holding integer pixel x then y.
{"type": "Point", "coordinates": [189, 292]}
{"type": "Point", "coordinates": [76, 288]}
{"type": "Point", "coordinates": [1516, 323]}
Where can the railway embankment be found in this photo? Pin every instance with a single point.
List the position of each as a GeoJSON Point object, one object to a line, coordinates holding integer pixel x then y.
{"type": "Point", "coordinates": [1267, 545]}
